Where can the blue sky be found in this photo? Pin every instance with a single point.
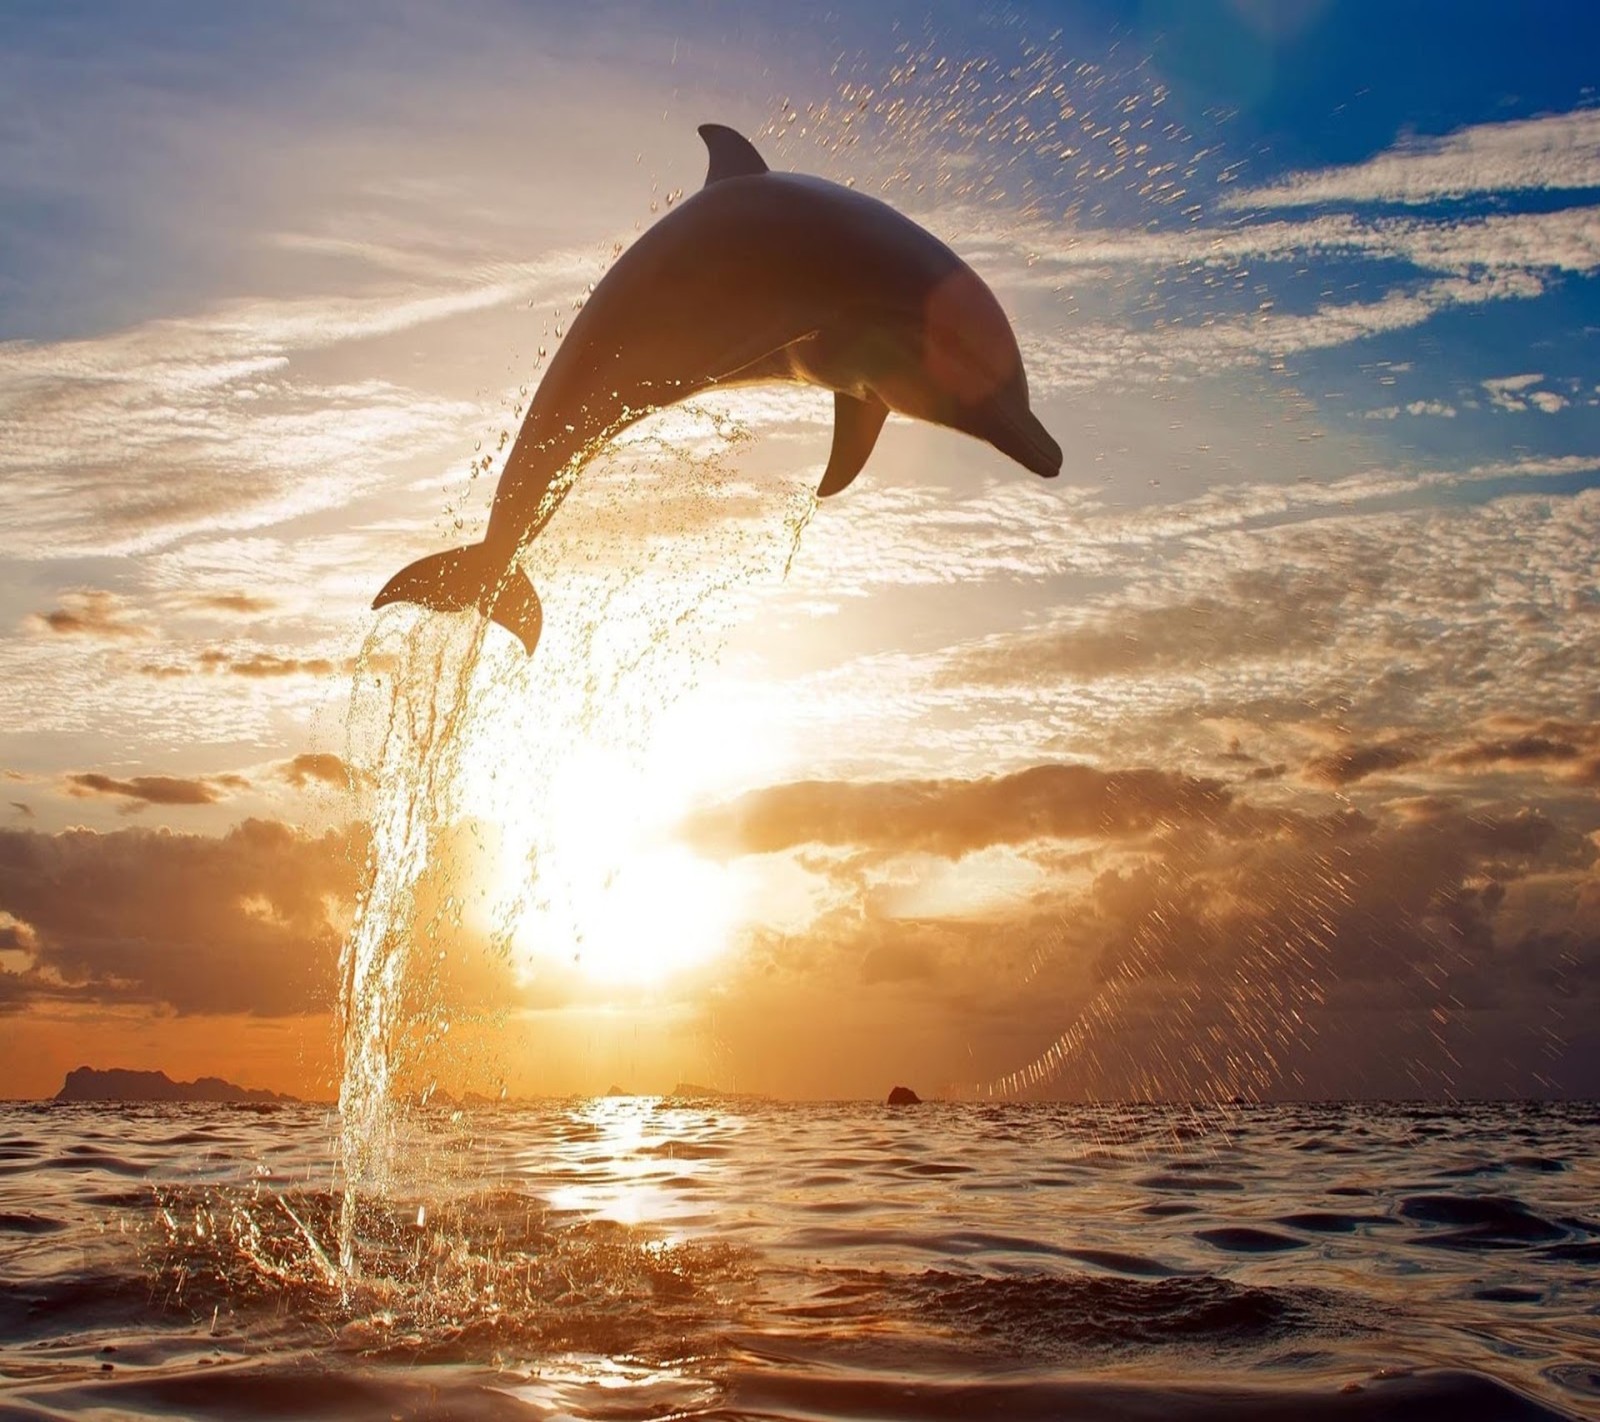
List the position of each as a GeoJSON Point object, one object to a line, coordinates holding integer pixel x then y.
{"type": "Point", "coordinates": [1308, 293]}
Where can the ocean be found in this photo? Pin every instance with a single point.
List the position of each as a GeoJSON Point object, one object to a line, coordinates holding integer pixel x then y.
{"type": "Point", "coordinates": [634, 1257]}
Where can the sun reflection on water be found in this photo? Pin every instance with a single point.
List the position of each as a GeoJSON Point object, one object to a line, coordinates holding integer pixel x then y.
{"type": "Point", "coordinates": [628, 1159]}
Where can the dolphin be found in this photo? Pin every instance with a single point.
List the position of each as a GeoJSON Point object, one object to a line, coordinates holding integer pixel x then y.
{"type": "Point", "coordinates": [758, 277]}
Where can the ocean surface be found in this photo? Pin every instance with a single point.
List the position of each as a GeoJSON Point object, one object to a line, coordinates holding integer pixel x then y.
{"type": "Point", "coordinates": [631, 1258]}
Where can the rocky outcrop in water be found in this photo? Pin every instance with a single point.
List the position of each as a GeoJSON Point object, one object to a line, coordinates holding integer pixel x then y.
{"type": "Point", "coordinates": [904, 1096]}
{"type": "Point", "coordinates": [116, 1084]}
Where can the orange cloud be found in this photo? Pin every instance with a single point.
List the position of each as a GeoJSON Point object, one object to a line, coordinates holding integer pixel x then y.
{"type": "Point", "coordinates": [91, 613]}
{"type": "Point", "coordinates": [955, 817]}
{"type": "Point", "coordinates": [311, 766]}
{"type": "Point", "coordinates": [143, 790]}
{"type": "Point", "coordinates": [238, 603]}
{"type": "Point", "coordinates": [1356, 762]}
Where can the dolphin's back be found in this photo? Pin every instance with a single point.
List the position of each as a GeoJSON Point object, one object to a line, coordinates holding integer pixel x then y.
{"type": "Point", "coordinates": [717, 290]}
{"type": "Point", "coordinates": [758, 276]}
{"type": "Point", "coordinates": [742, 268]}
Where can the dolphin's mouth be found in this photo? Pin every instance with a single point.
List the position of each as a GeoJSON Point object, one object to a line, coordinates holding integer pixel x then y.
{"type": "Point", "coordinates": [1018, 434]}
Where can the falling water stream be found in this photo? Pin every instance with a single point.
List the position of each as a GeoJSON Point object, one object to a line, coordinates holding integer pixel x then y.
{"type": "Point", "coordinates": [429, 699]}
{"type": "Point", "coordinates": [449, 720]}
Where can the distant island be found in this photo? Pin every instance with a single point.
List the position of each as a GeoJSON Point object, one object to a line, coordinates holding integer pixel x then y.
{"type": "Point", "coordinates": [693, 1091]}
{"type": "Point", "coordinates": [89, 1084]}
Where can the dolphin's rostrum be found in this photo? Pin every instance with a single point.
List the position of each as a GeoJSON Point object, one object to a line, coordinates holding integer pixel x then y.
{"type": "Point", "coordinates": [758, 277]}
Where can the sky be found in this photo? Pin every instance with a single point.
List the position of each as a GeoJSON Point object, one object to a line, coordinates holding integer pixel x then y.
{"type": "Point", "coordinates": [1256, 755]}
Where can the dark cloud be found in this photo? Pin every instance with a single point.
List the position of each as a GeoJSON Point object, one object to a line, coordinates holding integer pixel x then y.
{"type": "Point", "coordinates": [143, 790]}
{"type": "Point", "coordinates": [240, 923]}
{"type": "Point", "coordinates": [955, 817]}
{"type": "Point", "coordinates": [1568, 749]}
{"type": "Point", "coordinates": [320, 766]}
{"type": "Point", "coordinates": [23, 808]}
{"type": "Point", "coordinates": [1351, 763]}
{"type": "Point", "coordinates": [91, 613]}
{"type": "Point", "coordinates": [1525, 831]}
{"type": "Point", "coordinates": [16, 936]}
{"type": "Point", "coordinates": [1243, 949]}
{"type": "Point", "coordinates": [251, 921]}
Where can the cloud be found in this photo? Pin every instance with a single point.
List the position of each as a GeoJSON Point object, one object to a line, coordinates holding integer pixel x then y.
{"type": "Point", "coordinates": [1258, 615]}
{"type": "Point", "coordinates": [141, 791]}
{"type": "Point", "coordinates": [264, 664]}
{"type": "Point", "coordinates": [1439, 408]}
{"type": "Point", "coordinates": [1515, 393]}
{"type": "Point", "coordinates": [92, 613]}
{"type": "Point", "coordinates": [240, 923]}
{"type": "Point", "coordinates": [316, 766]}
{"type": "Point", "coordinates": [1106, 352]}
{"type": "Point", "coordinates": [247, 922]}
{"type": "Point", "coordinates": [1560, 241]}
{"type": "Point", "coordinates": [955, 817]}
{"type": "Point", "coordinates": [1559, 152]}
{"type": "Point", "coordinates": [1229, 952]}
{"type": "Point", "coordinates": [1356, 762]}
{"type": "Point", "coordinates": [236, 603]}
{"type": "Point", "coordinates": [224, 406]}
{"type": "Point", "coordinates": [1509, 744]}
{"type": "Point", "coordinates": [257, 666]}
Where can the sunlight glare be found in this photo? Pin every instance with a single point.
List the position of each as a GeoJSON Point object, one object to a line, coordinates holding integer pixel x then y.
{"type": "Point", "coordinates": [596, 879]}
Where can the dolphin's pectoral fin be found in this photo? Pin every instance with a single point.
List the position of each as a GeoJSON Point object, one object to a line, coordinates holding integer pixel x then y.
{"type": "Point", "coordinates": [856, 423]}
{"type": "Point", "coordinates": [732, 154]}
{"type": "Point", "coordinates": [469, 577]}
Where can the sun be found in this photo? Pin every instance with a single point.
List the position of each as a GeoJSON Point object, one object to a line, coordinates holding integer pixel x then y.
{"type": "Point", "coordinates": [592, 872]}
{"type": "Point", "coordinates": [612, 891]}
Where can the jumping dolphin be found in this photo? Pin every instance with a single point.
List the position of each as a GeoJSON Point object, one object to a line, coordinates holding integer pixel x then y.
{"type": "Point", "coordinates": [759, 276]}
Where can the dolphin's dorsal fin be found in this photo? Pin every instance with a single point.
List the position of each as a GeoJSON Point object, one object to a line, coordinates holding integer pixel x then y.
{"type": "Point", "coordinates": [856, 423]}
{"type": "Point", "coordinates": [732, 154]}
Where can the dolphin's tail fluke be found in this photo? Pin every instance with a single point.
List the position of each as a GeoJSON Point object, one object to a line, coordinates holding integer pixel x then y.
{"type": "Point", "coordinates": [470, 577]}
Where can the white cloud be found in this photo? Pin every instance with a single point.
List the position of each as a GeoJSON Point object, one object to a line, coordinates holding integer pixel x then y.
{"type": "Point", "coordinates": [1560, 152]}
{"type": "Point", "coordinates": [125, 442]}
{"type": "Point", "coordinates": [1515, 393]}
{"type": "Point", "coordinates": [1439, 408]}
{"type": "Point", "coordinates": [1105, 352]}
{"type": "Point", "coordinates": [1566, 240]}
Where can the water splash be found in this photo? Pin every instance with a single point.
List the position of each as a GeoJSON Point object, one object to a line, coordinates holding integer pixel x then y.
{"type": "Point", "coordinates": [450, 725]}
{"type": "Point", "coordinates": [428, 699]}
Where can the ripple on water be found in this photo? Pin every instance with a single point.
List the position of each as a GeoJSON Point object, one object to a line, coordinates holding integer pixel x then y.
{"type": "Point", "coordinates": [23, 1223]}
{"type": "Point", "coordinates": [1245, 1239]}
{"type": "Point", "coordinates": [1329, 1221]}
{"type": "Point", "coordinates": [1478, 1221]}
{"type": "Point", "coordinates": [1060, 1316]}
{"type": "Point", "coordinates": [1172, 1180]}
{"type": "Point", "coordinates": [790, 1245]}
